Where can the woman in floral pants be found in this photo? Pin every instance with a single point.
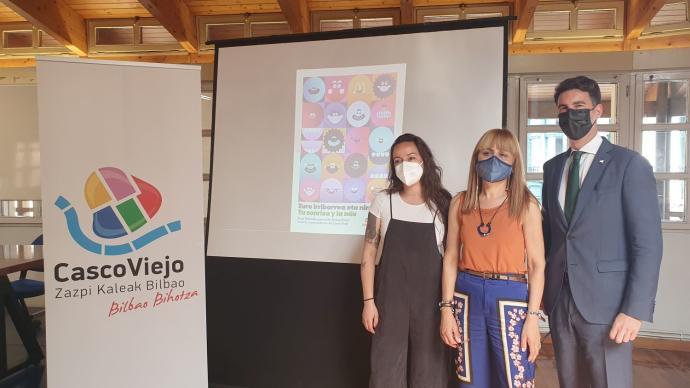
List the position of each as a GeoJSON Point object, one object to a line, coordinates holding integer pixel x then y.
{"type": "Point", "coordinates": [493, 270]}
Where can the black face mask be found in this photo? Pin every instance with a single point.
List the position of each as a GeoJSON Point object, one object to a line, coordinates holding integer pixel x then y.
{"type": "Point", "coordinates": [575, 123]}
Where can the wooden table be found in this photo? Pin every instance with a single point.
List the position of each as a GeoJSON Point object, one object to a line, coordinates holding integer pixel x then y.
{"type": "Point", "coordinates": [17, 258]}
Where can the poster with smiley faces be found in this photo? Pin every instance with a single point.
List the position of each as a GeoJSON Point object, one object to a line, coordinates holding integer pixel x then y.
{"type": "Point", "coordinates": [345, 122]}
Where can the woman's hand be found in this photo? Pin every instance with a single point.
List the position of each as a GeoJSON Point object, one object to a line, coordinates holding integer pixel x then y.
{"type": "Point", "coordinates": [370, 316]}
{"type": "Point", "coordinates": [449, 328]}
{"type": "Point", "coordinates": [531, 337]}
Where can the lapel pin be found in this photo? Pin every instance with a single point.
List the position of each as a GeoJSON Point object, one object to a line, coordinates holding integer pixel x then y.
{"type": "Point", "coordinates": [601, 161]}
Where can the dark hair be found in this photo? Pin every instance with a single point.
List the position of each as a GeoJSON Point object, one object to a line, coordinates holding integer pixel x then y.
{"type": "Point", "coordinates": [434, 194]}
{"type": "Point", "coordinates": [580, 83]}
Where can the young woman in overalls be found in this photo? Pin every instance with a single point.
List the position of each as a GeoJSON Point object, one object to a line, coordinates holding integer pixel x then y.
{"type": "Point", "coordinates": [493, 270]}
{"type": "Point", "coordinates": [407, 224]}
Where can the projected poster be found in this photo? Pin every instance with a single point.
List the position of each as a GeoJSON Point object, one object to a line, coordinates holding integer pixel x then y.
{"type": "Point", "coordinates": [345, 122]}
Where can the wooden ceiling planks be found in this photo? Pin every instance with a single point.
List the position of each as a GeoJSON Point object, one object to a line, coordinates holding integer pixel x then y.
{"type": "Point", "coordinates": [226, 7]}
{"type": "Point", "coordinates": [9, 16]}
{"type": "Point", "coordinates": [108, 9]}
{"type": "Point", "coordinates": [436, 3]}
{"type": "Point", "coordinates": [335, 5]}
{"type": "Point", "coordinates": [111, 9]}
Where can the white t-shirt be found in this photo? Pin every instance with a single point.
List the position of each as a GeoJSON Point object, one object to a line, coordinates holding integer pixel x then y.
{"type": "Point", "coordinates": [403, 211]}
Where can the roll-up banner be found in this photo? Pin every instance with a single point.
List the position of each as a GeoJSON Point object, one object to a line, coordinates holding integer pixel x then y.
{"type": "Point", "coordinates": [121, 177]}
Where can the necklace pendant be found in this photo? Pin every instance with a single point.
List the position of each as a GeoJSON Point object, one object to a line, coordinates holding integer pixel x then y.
{"type": "Point", "coordinates": [484, 230]}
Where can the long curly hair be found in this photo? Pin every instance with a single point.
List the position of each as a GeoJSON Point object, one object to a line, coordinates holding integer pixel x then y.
{"type": "Point", "coordinates": [435, 195]}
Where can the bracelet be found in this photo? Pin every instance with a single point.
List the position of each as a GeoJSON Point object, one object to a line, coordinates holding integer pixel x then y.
{"type": "Point", "coordinates": [367, 299]}
{"type": "Point", "coordinates": [449, 304]}
{"type": "Point", "coordinates": [537, 314]}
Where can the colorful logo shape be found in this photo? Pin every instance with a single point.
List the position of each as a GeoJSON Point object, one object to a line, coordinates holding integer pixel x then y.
{"type": "Point", "coordinates": [121, 204]}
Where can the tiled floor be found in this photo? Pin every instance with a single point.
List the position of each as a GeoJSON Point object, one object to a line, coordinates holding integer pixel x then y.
{"type": "Point", "coordinates": [658, 364]}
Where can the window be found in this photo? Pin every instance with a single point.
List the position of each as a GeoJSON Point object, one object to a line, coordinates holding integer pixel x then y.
{"type": "Point", "coordinates": [224, 27]}
{"type": "Point", "coordinates": [128, 35]}
{"type": "Point", "coordinates": [540, 135]}
{"type": "Point", "coordinates": [25, 39]}
{"type": "Point", "coordinates": [444, 14]}
{"type": "Point", "coordinates": [107, 36]}
{"type": "Point", "coordinates": [673, 17]}
{"type": "Point", "coordinates": [269, 28]}
{"type": "Point", "coordinates": [551, 21]}
{"type": "Point", "coordinates": [375, 22]}
{"type": "Point", "coordinates": [336, 24]}
{"type": "Point", "coordinates": [662, 137]}
{"type": "Point", "coordinates": [17, 39]}
{"type": "Point", "coordinates": [592, 20]}
{"type": "Point", "coordinates": [671, 13]}
{"type": "Point", "coordinates": [596, 19]}
{"type": "Point", "coordinates": [155, 35]}
{"type": "Point", "coordinates": [20, 209]}
{"type": "Point", "coordinates": [440, 18]}
{"type": "Point", "coordinates": [224, 31]}
{"type": "Point", "coordinates": [353, 19]}
{"type": "Point", "coordinates": [45, 40]}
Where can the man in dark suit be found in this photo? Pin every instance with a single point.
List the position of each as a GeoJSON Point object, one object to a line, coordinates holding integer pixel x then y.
{"type": "Point", "coordinates": [602, 232]}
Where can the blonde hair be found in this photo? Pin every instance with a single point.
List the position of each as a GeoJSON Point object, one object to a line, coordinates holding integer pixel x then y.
{"type": "Point", "coordinates": [519, 195]}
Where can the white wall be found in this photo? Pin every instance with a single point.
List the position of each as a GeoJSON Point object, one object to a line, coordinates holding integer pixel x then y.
{"type": "Point", "coordinates": [19, 154]}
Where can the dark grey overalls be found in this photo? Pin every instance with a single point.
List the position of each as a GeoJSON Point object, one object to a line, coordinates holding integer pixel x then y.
{"type": "Point", "coordinates": [407, 350]}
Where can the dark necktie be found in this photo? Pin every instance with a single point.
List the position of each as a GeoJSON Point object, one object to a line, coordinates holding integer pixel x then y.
{"type": "Point", "coordinates": [573, 185]}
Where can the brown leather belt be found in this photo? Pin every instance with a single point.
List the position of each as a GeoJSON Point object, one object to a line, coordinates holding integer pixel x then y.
{"type": "Point", "coordinates": [497, 276]}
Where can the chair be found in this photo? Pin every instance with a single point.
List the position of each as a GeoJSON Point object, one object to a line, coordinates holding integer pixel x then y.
{"type": "Point", "coordinates": [28, 288]}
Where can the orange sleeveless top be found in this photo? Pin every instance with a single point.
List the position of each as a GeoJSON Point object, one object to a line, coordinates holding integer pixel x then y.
{"type": "Point", "coordinates": [502, 251]}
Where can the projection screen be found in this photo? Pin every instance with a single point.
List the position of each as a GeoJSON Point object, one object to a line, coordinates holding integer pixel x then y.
{"type": "Point", "coordinates": [303, 126]}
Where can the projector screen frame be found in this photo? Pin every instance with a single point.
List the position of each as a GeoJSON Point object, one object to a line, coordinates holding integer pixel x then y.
{"type": "Point", "coordinates": [347, 34]}
{"type": "Point", "coordinates": [245, 296]}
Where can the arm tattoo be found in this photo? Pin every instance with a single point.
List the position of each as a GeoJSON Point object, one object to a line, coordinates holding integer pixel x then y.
{"type": "Point", "coordinates": [372, 235]}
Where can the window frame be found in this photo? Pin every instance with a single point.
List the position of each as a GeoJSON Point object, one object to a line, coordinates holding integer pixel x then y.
{"type": "Point", "coordinates": [247, 20]}
{"type": "Point", "coordinates": [136, 24]}
{"type": "Point", "coordinates": [355, 15]}
{"type": "Point", "coordinates": [591, 35]}
{"type": "Point", "coordinates": [461, 10]}
{"type": "Point", "coordinates": [639, 128]}
{"type": "Point", "coordinates": [669, 29]}
{"type": "Point", "coordinates": [35, 41]}
{"type": "Point", "coordinates": [620, 126]}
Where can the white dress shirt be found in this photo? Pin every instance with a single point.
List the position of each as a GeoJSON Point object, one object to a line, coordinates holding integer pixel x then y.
{"type": "Point", "coordinates": [589, 151]}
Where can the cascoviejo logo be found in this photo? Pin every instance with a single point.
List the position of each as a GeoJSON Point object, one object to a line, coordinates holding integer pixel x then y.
{"type": "Point", "coordinates": [121, 205]}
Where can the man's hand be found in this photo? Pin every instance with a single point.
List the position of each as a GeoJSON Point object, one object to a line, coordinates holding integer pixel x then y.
{"type": "Point", "coordinates": [625, 328]}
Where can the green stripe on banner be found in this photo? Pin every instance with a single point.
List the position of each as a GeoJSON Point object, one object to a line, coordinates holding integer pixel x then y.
{"type": "Point", "coordinates": [129, 210]}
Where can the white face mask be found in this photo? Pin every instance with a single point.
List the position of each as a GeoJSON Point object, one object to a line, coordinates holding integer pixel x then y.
{"type": "Point", "coordinates": [409, 172]}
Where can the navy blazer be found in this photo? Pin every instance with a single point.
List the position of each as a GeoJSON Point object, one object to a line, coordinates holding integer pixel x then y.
{"type": "Point", "coordinates": [613, 246]}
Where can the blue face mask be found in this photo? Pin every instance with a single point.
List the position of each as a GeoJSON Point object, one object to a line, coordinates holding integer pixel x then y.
{"type": "Point", "coordinates": [493, 169]}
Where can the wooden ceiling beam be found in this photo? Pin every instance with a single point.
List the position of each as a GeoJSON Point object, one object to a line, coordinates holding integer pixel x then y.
{"type": "Point", "coordinates": [176, 17]}
{"type": "Point", "coordinates": [638, 15]}
{"type": "Point", "coordinates": [179, 59]}
{"type": "Point", "coordinates": [297, 15]}
{"type": "Point", "coordinates": [661, 42]}
{"type": "Point", "coordinates": [17, 62]}
{"type": "Point", "coordinates": [560, 48]}
{"type": "Point", "coordinates": [57, 19]}
{"type": "Point", "coordinates": [524, 10]}
{"type": "Point", "coordinates": [407, 12]}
